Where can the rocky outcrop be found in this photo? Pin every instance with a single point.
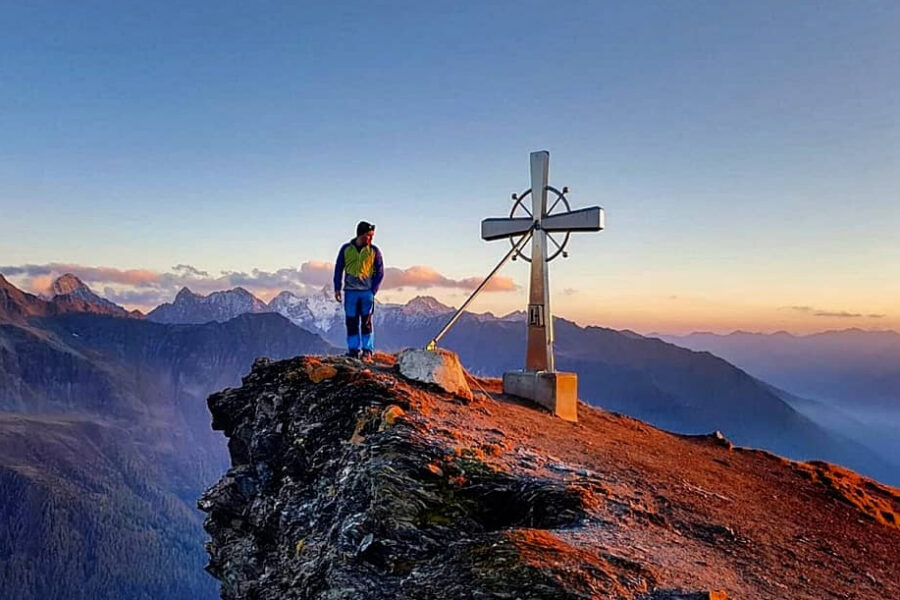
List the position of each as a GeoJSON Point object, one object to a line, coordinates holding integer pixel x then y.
{"type": "Point", "coordinates": [348, 481]}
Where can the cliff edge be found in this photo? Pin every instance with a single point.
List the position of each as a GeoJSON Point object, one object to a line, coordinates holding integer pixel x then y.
{"type": "Point", "coordinates": [348, 481]}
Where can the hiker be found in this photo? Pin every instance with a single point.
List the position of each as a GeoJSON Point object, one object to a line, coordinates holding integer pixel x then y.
{"type": "Point", "coordinates": [360, 267]}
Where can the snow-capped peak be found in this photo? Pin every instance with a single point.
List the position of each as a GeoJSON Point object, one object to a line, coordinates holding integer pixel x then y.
{"type": "Point", "coordinates": [186, 295]}
{"type": "Point", "coordinates": [316, 311]}
{"type": "Point", "coordinates": [426, 306]}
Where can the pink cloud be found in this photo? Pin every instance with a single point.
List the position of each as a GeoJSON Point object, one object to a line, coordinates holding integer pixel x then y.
{"type": "Point", "coordinates": [421, 277]}
{"type": "Point", "coordinates": [42, 273]}
{"type": "Point", "coordinates": [316, 272]}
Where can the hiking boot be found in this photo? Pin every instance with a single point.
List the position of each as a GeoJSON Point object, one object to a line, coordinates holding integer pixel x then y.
{"type": "Point", "coordinates": [353, 353]}
{"type": "Point", "coordinates": [367, 355]}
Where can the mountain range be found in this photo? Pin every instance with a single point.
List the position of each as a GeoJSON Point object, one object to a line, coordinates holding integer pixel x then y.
{"type": "Point", "coordinates": [103, 406]}
{"type": "Point", "coordinates": [317, 312]}
{"type": "Point", "coordinates": [850, 368]}
{"type": "Point", "coordinates": [70, 295]}
{"type": "Point", "coordinates": [847, 381]}
{"type": "Point", "coordinates": [105, 444]}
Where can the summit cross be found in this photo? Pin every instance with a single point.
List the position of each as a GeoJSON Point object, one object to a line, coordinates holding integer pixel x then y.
{"type": "Point", "coordinates": [541, 223]}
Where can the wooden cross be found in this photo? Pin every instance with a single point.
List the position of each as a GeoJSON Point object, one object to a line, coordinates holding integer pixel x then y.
{"type": "Point", "coordinates": [539, 347]}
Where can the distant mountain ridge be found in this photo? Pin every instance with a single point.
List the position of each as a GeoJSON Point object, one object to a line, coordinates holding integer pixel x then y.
{"type": "Point", "coordinates": [189, 307]}
{"type": "Point", "coordinates": [70, 295]}
{"type": "Point", "coordinates": [318, 312]}
{"type": "Point", "coordinates": [846, 380]}
{"type": "Point", "coordinates": [846, 366]}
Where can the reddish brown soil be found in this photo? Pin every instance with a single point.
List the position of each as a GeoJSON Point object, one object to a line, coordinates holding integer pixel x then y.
{"type": "Point", "coordinates": [687, 512]}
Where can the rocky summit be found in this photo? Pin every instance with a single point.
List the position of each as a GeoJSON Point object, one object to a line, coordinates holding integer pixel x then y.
{"type": "Point", "coordinates": [349, 481]}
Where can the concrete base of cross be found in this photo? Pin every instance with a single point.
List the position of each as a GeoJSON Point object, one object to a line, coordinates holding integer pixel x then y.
{"type": "Point", "coordinates": [557, 391]}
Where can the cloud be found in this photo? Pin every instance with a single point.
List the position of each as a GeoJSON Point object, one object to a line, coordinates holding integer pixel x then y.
{"type": "Point", "coordinates": [842, 314]}
{"type": "Point", "coordinates": [145, 289]}
{"type": "Point", "coordinates": [42, 285]}
{"type": "Point", "coordinates": [422, 277]}
{"type": "Point", "coordinates": [834, 314]}
{"type": "Point", "coordinates": [316, 272]}
{"type": "Point", "coordinates": [134, 297]}
{"type": "Point", "coordinates": [804, 309]}
{"type": "Point", "coordinates": [189, 270]}
{"type": "Point", "coordinates": [134, 277]}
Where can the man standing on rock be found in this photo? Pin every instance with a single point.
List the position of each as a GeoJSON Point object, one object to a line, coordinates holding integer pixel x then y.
{"type": "Point", "coordinates": [360, 266]}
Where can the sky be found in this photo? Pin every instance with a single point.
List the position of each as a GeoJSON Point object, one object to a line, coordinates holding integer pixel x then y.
{"type": "Point", "coordinates": [747, 155]}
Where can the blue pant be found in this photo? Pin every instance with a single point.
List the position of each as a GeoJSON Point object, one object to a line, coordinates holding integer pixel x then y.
{"type": "Point", "coordinates": [358, 308]}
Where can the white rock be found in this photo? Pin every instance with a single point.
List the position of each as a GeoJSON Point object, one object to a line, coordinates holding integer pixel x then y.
{"type": "Point", "coordinates": [440, 367]}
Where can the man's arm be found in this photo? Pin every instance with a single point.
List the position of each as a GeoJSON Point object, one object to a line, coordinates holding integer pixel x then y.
{"type": "Point", "coordinates": [339, 273]}
{"type": "Point", "coordinates": [379, 271]}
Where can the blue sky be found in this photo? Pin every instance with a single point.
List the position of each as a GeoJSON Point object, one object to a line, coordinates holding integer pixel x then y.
{"type": "Point", "coordinates": [746, 153]}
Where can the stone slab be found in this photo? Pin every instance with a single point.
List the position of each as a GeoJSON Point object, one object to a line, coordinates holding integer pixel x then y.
{"type": "Point", "coordinates": [556, 391]}
{"type": "Point", "coordinates": [440, 367]}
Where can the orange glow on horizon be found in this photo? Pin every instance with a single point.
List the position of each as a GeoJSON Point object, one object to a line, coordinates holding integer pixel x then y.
{"type": "Point", "coordinates": [642, 314]}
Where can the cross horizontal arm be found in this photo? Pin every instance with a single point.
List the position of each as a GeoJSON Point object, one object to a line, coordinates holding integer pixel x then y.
{"type": "Point", "coordinates": [495, 229]}
{"type": "Point", "coordinates": [585, 219]}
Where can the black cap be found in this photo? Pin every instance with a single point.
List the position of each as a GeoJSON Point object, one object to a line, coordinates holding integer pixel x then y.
{"type": "Point", "coordinates": [364, 228]}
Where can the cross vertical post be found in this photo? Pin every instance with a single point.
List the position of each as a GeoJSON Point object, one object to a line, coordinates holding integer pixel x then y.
{"type": "Point", "coordinates": [540, 381]}
{"type": "Point", "coordinates": [539, 344]}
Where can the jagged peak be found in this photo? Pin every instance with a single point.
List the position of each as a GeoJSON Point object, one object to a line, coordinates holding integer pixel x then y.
{"type": "Point", "coordinates": [239, 290]}
{"type": "Point", "coordinates": [185, 294]}
{"type": "Point", "coordinates": [426, 305]}
{"type": "Point", "coordinates": [68, 284]}
{"type": "Point", "coordinates": [513, 316]}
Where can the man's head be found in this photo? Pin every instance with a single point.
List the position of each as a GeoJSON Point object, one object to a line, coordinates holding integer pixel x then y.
{"type": "Point", "coordinates": [364, 233]}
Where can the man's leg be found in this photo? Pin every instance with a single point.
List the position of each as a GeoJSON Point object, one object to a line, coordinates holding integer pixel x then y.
{"type": "Point", "coordinates": [367, 312]}
{"type": "Point", "coordinates": [351, 314]}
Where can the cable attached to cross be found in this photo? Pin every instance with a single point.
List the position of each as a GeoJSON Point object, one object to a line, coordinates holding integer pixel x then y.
{"type": "Point", "coordinates": [432, 345]}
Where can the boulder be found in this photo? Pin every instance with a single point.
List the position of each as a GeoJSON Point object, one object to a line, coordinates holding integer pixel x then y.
{"type": "Point", "coordinates": [440, 367]}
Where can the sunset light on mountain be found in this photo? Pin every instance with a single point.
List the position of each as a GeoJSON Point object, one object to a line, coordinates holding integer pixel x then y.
{"type": "Point", "coordinates": [448, 301]}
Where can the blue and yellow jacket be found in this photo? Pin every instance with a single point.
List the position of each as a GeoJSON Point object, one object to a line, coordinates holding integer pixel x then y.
{"type": "Point", "coordinates": [361, 268]}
